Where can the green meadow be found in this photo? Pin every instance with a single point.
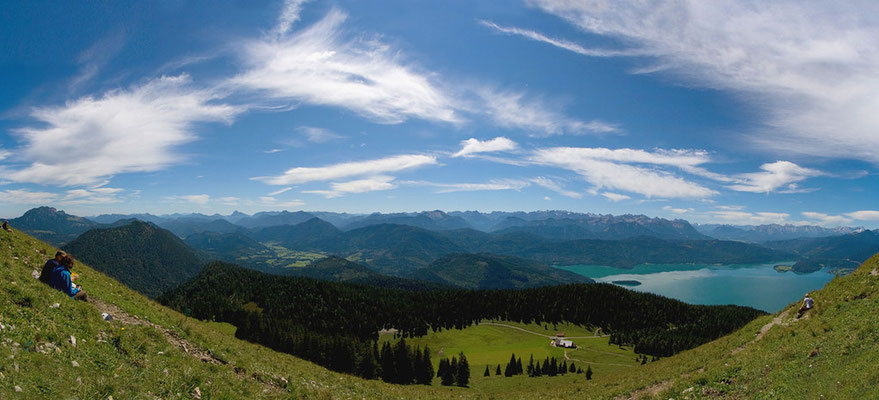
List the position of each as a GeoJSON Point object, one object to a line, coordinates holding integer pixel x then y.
{"type": "Point", "coordinates": [492, 342]}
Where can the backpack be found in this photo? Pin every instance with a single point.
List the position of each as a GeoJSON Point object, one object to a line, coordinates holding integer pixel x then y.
{"type": "Point", "coordinates": [46, 273]}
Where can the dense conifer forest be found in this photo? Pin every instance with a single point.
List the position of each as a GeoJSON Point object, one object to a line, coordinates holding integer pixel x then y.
{"type": "Point", "coordinates": [337, 324]}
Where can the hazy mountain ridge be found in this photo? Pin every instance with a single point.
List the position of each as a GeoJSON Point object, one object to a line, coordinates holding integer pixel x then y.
{"type": "Point", "coordinates": [771, 232]}
{"type": "Point", "coordinates": [844, 251]}
{"type": "Point", "coordinates": [51, 225]}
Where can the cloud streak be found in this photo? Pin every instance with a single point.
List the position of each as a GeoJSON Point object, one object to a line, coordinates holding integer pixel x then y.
{"type": "Point", "coordinates": [474, 146]}
{"type": "Point", "coordinates": [318, 65]}
{"type": "Point", "coordinates": [343, 170]}
{"type": "Point", "coordinates": [91, 139]}
{"type": "Point", "coordinates": [809, 66]}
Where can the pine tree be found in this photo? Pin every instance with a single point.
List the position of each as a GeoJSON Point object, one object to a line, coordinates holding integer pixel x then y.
{"type": "Point", "coordinates": [537, 371]}
{"type": "Point", "coordinates": [564, 369]}
{"type": "Point", "coordinates": [519, 369]}
{"type": "Point", "coordinates": [426, 375]}
{"type": "Point", "coordinates": [588, 372]}
{"type": "Point", "coordinates": [530, 368]}
{"type": "Point", "coordinates": [463, 375]}
{"type": "Point", "coordinates": [448, 377]}
{"type": "Point", "coordinates": [389, 373]}
{"type": "Point", "coordinates": [403, 363]}
{"type": "Point", "coordinates": [545, 368]}
{"type": "Point", "coordinates": [498, 370]}
{"type": "Point", "coordinates": [510, 369]}
{"type": "Point", "coordinates": [572, 369]}
{"type": "Point", "coordinates": [442, 367]}
{"type": "Point", "coordinates": [487, 372]}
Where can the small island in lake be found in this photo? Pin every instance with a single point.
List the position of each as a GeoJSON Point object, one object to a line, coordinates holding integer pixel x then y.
{"type": "Point", "coordinates": [626, 283]}
{"type": "Point", "coordinates": [783, 268]}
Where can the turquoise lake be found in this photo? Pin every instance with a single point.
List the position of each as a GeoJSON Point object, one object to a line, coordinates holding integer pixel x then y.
{"type": "Point", "coordinates": [754, 285]}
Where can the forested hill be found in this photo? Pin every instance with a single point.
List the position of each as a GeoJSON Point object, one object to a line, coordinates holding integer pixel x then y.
{"type": "Point", "coordinates": [309, 318]}
{"type": "Point", "coordinates": [147, 258]}
{"type": "Point", "coordinates": [337, 269]}
{"type": "Point", "coordinates": [488, 271]}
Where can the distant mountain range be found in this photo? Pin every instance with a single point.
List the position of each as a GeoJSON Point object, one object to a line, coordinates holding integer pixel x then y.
{"type": "Point", "coordinates": [844, 251]}
{"type": "Point", "coordinates": [770, 232]}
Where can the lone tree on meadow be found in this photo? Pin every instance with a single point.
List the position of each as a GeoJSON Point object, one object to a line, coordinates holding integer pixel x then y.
{"type": "Point", "coordinates": [487, 372]}
{"type": "Point", "coordinates": [588, 372]}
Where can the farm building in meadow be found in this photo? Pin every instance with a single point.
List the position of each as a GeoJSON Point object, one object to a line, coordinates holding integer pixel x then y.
{"type": "Point", "coordinates": [560, 341]}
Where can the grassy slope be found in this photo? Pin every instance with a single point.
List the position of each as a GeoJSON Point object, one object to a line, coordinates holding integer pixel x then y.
{"type": "Point", "coordinates": [127, 364]}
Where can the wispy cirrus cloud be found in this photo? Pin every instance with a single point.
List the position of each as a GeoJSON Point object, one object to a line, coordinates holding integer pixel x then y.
{"type": "Point", "coordinates": [318, 65]}
{"type": "Point", "coordinates": [750, 218]}
{"type": "Point", "coordinates": [809, 66]}
{"type": "Point", "coordinates": [371, 184]}
{"type": "Point", "coordinates": [555, 187]}
{"type": "Point", "coordinates": [615, 170]}
{"type": "Point", "coordinates": [349, 169]}
{"type": "Point", "coordinates": [491, 185]}
{"type": "Point", "coordinates": [562, 43]}
{"type": "Point", "coordinates": [200, 199]}
{"type": "Point", "coordinates": [319, 135]}
{"type": "Point", "coordinates": [475, 146]}
{"type": "Point", "coordinates": [125, 130]}
{"type": "Point", "coordinates": [511, 109]}
{"type": "Point", "coordinates": [776, 175]}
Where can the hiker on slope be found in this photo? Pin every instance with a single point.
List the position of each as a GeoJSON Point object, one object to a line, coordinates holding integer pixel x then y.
{"type": "Point", "coordinates": [62, 280]}
{"type": "Point", "coordinates": [808, 303]}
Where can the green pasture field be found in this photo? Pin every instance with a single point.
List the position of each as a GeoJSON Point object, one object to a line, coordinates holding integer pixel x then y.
{"type": "Point", "coordinates": [492, 342]}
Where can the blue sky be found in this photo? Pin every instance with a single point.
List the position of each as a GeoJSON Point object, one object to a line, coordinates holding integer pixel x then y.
{"type": "Point", "coordinates": [718, 112]}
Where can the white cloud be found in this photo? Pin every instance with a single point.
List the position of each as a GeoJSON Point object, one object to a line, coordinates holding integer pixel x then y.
{"type": "Point", "coordinates": [277, 192]}
{"type": "Point", "coordinates": [371, 184]}
{"type": "Point", "coordinates": [318, 65]}
{"type": "Point", "coordinates": [555, 187]}
{"type": "Point", "coordinates": [273, 151]}
{"type": "Point", "coordinates": [809, 65]}
{"type": "Point", "coordinates": [774, 176]}
{"type": "Point", "coordinates": [319, 135]}
{"type": "Point", "coordinates": [473, 146]}
{"type": "Point", "coordinates": [356, 168]}
{"type": "Point", "coordinates": [24, 196]}
{"type": "Point", "coordinates": [511, 110]}
{"type": "Point", "coordinates": [192, 198]}
{"type": "Point", "coordinates": [677, 210]}
{"type": "Point", "coordinates": [133, 130]}
{"type": "Point", "coordinates": [847, 218]}
{"type": "Point", "coordinates": [271, 202]}
{"type": "Point", "coordinates": [564, 44]}
{"type": "Point", "coordinates": [826, 219]}
{"type": "Point", "coordinates": [494, 184]}
{"type": "Point", "coordinates": [289, 16]}
{"type": "Point", "coordinates": [864, 215]}
{"type": "Point", "coordinates": [609, 169]}
{"type": "Point", "coordinates": [94, 195]}
{"type": "Point", "coordinates": [748, 218]}
{"type": "Point", "coordinates": [615, 197]}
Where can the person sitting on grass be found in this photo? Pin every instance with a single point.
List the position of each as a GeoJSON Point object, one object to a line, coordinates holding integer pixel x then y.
{"type": "Point", "coordinates": [808, 303]}
{"type": "Point", "coordinates": [62, 280]}
{"type": "Point", "coordinates": [46, 273]}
